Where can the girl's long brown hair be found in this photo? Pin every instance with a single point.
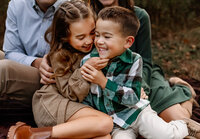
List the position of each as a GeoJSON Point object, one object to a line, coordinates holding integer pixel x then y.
{"type": "Point", "coordinates": [97, 6]}
{"type": "Point", "coordinates": [57, 35]}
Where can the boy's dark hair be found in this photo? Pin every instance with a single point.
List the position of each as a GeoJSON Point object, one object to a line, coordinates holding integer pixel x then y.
{"type": "Point", "coordinates": [129, 23]}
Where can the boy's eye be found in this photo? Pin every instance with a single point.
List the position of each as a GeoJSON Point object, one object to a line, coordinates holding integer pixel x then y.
{"type": "Point", "coordinates": [96, 34]}
{"type": "Point", "coordinates": [107, 37]}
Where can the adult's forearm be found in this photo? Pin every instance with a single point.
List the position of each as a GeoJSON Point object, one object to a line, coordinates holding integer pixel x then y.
{"type": "Point", "coordinates": [20, 58]}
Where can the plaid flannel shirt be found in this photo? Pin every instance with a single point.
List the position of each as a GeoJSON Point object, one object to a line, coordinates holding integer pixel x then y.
{"type": "Point", "coordinates": [121, 96]}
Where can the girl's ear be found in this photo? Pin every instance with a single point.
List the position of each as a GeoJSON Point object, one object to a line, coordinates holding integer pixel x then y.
{"type": "Point", "coordinates": [129, 41]}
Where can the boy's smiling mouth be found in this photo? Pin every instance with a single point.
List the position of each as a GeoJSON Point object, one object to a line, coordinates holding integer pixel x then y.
{"type": "Point", "coordinates": [103, 51]}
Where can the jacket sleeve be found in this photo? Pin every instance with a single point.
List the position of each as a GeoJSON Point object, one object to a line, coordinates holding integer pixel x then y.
{"type": "Point", "coordinates": [71, 85]}
{"type": "Point", "coordinates": [142, 46]}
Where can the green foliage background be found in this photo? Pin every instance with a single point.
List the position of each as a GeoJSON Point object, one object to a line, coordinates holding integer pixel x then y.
{"type": "Point", "coordinates": [175, 35]}
{"type": "Point", "coordinates": [171, 15]}
{"type": "Point", "coordinates": [166, 15]}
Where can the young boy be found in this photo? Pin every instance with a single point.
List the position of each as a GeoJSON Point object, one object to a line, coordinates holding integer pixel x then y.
{"type": "Point", "coordinates": [116, 89]}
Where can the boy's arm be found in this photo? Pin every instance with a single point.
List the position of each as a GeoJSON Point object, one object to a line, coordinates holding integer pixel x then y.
{"type": "Point", "coordinates": [126, 93]}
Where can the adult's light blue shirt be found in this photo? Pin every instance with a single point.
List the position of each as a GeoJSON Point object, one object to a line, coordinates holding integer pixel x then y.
{"type": "Point", "coordinates": [25, 28]}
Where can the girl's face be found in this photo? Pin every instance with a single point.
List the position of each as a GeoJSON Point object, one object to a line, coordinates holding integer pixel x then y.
{"type": "Point", "coordinates": [82, 34]}
{"type": "Point", "coordinates": [107, 3]}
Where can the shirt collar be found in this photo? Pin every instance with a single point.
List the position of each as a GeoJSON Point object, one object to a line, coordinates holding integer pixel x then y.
{"type": "Point", "coordinates": [58, 3]}
{"type": "Point", "coordinates": [126, 56]}
{"type": "Point", "coordinates": [55, 5]}
{"type": "Point", "coordinates": [33, 3]}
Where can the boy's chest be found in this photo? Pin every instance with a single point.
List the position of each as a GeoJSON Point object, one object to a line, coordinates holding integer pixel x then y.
{"type": "Point", "coordinates": [117, 71]}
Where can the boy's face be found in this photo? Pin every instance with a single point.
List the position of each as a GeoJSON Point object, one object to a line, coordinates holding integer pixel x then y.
{"type": "Point", "coordinates": [109, 40]}
{"type": "Point", "coordinates": [82, 34]}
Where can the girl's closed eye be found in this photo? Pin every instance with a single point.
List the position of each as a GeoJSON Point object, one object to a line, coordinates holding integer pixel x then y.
{"type": "Point", "coordinates": [92, 32]}
{"type": "Point", "coordinates": [80, 37]}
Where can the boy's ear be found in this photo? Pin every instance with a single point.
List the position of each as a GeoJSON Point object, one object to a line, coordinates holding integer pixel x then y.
{"type": "Point", "coordinates": [129, 41]}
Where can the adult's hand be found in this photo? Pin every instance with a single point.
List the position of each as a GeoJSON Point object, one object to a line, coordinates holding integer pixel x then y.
{"type": "Point", "coordinates": [36, 63]}
{"type": "Point", "coordinates": [46, 72]}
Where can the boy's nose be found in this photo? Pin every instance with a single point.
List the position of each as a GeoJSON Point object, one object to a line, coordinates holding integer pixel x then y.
{"type": "Point", "coordinates": [100, 41]}
{"type": "Point", "coordinates": [89, 41]}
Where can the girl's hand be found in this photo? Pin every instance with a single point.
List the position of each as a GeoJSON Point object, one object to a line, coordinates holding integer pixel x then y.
{"type": "Point", "coordinates": [143, 94]}
{"type": "Point", "coordinates": [46, 72]}
{"type": "Point", "coordinates": [93, 75]}
{"type": "Point", "coordinates": [97, 62]}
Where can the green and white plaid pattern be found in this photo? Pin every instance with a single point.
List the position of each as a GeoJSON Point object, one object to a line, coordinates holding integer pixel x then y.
{"type": "Point", "coordinates": [121, 96]}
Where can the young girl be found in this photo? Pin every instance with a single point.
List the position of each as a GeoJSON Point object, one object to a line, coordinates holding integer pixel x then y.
{"type": "Point", "coordinates": [70, 36]}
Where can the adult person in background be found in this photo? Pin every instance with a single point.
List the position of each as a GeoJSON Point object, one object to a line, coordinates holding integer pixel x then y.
{"type": "Point", "coordinates": [171, 103]}
{"type": "Point", "coordinates": [25, 47]}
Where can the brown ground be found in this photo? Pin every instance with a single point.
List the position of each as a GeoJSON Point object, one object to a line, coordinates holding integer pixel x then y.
{"type": "Point", "coordinates": [17, 113]}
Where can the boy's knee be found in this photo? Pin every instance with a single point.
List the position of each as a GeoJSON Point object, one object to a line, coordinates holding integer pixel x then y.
{"type": "Point", "coordinates": [123, 134]}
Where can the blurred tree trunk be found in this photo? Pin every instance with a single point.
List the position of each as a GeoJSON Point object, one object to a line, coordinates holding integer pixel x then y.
{"type": "Point", "coordinates": [3, 9]}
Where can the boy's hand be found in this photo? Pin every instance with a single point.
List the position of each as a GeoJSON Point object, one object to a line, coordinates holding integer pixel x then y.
{"type": "Point", "coordinates": [45, 72]}
{"type": "Point", "coordinates": [97, 62]}
{"type": "Point", "coordinates": [93, 75]}
{"type": "Point", "coordinates": [143, 94]}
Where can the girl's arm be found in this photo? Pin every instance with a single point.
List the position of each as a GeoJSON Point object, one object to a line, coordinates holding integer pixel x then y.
{"type": "Point", "coordinates": [71, 85]}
